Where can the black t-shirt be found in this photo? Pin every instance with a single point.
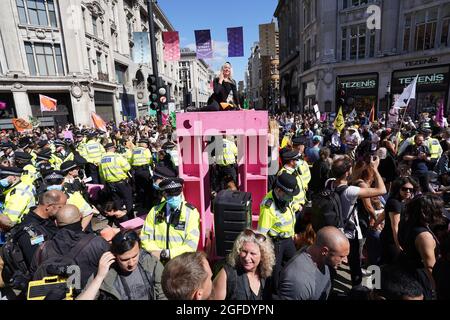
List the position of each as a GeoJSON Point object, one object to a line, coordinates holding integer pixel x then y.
{"type": "Point", "coordinates": [392, 205]}
{"type": "Point", "coordinates": [419, 166]}
{"type": "Point", "coordinates": [222, 91]}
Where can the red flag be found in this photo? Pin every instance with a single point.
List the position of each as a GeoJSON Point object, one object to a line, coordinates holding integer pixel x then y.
{"type": "Point", "coordinates": [47, 103]}
{"type": "Point", "coordinates": [99, 123]}
{"type": "Point", "coordinates": [164, 118]}
{"type": "Point", "coordinates": [171, 41]}
{"type": "Point", "coordinates": [372, 114]}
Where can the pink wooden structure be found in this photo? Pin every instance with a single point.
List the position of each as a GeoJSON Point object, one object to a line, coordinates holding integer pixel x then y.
{"type": "Point", "coordinates": [193, 129]}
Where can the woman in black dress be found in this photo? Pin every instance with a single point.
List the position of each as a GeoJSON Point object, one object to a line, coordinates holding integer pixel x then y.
{"type": "Point", "coordinates": [225, 95]}
{"type": "Point", "coordinates": [403, 190]}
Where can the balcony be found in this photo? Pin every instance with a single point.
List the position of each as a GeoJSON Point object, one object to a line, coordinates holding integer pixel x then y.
{"type": "Point", "coordinates": [306, 65]}
{"type": "Point", "coordinates": [103, 76]}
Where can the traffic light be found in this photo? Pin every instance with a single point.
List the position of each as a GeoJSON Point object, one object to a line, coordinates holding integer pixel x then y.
{"type": "Point", "coordinates": [152, 86]}
{"type": "Point", "coordinates": [340, 97]}
{"type": "Point", "coordinates": [162, 95]}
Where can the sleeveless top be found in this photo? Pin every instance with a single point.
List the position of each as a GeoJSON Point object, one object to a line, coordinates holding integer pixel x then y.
{"type": "Point", "coordinates": [238, 285]}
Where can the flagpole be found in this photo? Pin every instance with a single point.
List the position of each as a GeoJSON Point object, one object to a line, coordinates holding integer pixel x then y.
{"type": "Point", "coordinates": [397, 142]}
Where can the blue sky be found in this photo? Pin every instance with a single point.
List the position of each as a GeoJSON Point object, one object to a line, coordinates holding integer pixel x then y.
{"type": "Point", "coordinates": [189, 15]}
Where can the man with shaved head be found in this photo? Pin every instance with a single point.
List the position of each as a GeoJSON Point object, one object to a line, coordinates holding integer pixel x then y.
{"type": "Point", "coordinates": [72, 240]}
{"type": "Point", "coordinates": [39, 224]}
{"type": "Point", "coordinates": [307, 274]}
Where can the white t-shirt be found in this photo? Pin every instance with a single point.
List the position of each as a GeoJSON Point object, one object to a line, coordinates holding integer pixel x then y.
{"type": "Point", "coordinates": [348, 201]}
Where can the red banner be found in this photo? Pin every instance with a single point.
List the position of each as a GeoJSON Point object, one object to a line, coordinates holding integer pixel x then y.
{"type": "Point", "coordinates": [171, 41]}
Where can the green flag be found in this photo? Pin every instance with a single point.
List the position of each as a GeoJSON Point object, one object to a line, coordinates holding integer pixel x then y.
{"type": "Point", "coordinates": [245, 106]}
{"type": "Point", "coordinates": [173, 118]}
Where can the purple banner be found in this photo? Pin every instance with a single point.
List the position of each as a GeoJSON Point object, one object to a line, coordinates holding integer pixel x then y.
{"type": "Point", "coordinates": [235, 42]}
{"type": "Point", "coordinates": [203, 43]}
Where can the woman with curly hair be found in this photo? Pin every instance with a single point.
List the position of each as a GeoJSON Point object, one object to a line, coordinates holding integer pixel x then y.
{"type": "Point", "coordinates": [247, 271]}
{"type": "Point", "coordinates": [423, 215]}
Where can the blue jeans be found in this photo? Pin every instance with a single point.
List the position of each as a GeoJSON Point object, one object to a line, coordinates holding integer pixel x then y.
{"type": "Point", "coordinates": [373, 245]}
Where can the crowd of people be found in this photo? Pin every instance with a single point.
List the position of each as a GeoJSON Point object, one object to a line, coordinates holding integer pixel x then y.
{"type": "Point", "coordinates": [364, 196]}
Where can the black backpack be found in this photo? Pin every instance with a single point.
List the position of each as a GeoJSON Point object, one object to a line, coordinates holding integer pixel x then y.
{"type": "Point", "coordinates": [16, 273]}
{"type": "Point", "coordinates": [48, 261]}
{"type": "Point", "coordinates": [327, 209]}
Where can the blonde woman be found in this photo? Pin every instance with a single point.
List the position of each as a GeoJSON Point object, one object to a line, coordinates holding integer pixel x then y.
{"type": "Point", "coordinates": [247, 271]}
{"type": "Point", "coordinates": [225, 95]}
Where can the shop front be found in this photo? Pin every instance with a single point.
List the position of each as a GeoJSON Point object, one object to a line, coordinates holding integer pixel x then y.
{"type": "Point", "coordinates": [359, 92]}
{"type": "Point", "coordinates": [7, 106]}
{"type": "Point", "coordinates": [104, 105]}
{"type": "Point", "coordinates": [63, 114]}
{"type": "Point", "coordinates": [432, 87]}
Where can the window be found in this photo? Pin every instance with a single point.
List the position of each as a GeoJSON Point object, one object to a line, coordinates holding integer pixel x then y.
{"type": "Point", "coordinates": [445, 26]}
{"type": "Point", "coordinates": [106, 65]}
{"type": "Point", "coordinates": [89, 59]}
{"type": "Point", "coordinates": [40, 12]}
{"type": "Point", "coordinates": [354, 3]}
{"type": "Point", "coordinates": [358, 42]}
{"type": "Point", "coordinates": [407, 33]}
{"type": "Point", "coordinates": [426, 23]}
{"type": "Point", "coordinates": [22, 11]}
{"type": "Point", "coordinates": [94, 26]}
{"type": "Point", "coordinates": [372, 44]}
{"type": "Point", "coordinates": [83, 13]}
{"type": "Point", "coordinates": [30, 58]}
{"type": "Point", "coordinates": [344, 44]}
{"type": "Point", "coordinates": [99, 62]}
{"type": "Point", "coordinates": [44, 59]}
{"type": "Point", "coordinates": [121, 73]}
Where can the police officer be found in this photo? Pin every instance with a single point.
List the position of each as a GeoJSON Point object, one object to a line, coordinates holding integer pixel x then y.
{"type": "Point", "coordinates": [169, 148]}
{"type": "Point", "coordinates": [289, 159]}
{"type": "Point", "coordinates": [141, 161]}
{"type": "Point", "coordinates": [72, 182]}
{"type": "Point", "coordinates": [19, 195]}
{"type": "Point", "coordinates": [173, 226]}
{"type": "Point", "coordinates": [92, 151]}
{"type": "Point", "coordinates": [433, 145]}
{"type": "Point", "coordinates": [114, 170]}
{"type": "Point", "coordinates": [226, 154]}
{"type": "Point", "coordinates": [23, 160]}
{"type": "Point", "coordinates": [299, 143]}
{"type": "Point", "coordinates": [39, 225]}
{"type": "Point", "coordinates": [7, 150]}
{"type": "Point", "coordinates": [277, 220]}
{"type": "Point", "coordinates": [160, 173]}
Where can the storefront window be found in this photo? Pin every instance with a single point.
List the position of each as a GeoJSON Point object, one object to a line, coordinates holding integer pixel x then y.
{"type": "Point", "coordinates": [432, 85]}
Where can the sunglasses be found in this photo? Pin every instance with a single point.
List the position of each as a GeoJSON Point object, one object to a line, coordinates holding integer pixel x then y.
{"type": "Point", "coordinates": [126, 236]}
{"type": "Point", "coordinates": [407, 189]}
{"type": "Point", "coordinates": [258, 236]}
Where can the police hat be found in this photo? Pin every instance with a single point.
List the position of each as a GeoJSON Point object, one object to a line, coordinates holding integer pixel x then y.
{"type": "Point", "coordinates": [109, 145]}
{"type": "Point", "coordinates": [143, 141]}
{"type": "Point", "coordinates": [67, 166]}
{"type": "Point", "coordinates": [24, 142]}
{"type": "Point", "coordinates": [45, 154]}
{"type": "Point", "coordinates": [288, 154]}
{"type": "Point", "coordinates": [10, 171]}
{"type": "Point", "coordinates": [298, 140]}
{"type": "Point", "coordinates": [22, 156]}
{"type": "Point", "coordinates": [168, 145]}
{"type": "Point", "coordinates": [173, 186]}
{"type": "Point", "coordinates": [7, 145]}
{"type": "Point", "coordinates": [163, 172]}
{"type": "Point", "coordinates": [91, 135]}
{"type": "Point", "coordinates": [53, 174]}
{"type": "Point", "coordinates": [59, 143]}
{"type": "Point", "coordinates": [42, 143]}
{"type": "Point", "coordinates": [288, 183]}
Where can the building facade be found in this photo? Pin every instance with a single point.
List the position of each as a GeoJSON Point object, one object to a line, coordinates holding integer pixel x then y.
{"type": "Point", "coordinates": [196, 77]}
{"type": "Point", "coordinates": [360, 50]}
{"type": "Point", "coordinates": [254, 84]}
{"type": "Point", "coordinates": [81, 54]}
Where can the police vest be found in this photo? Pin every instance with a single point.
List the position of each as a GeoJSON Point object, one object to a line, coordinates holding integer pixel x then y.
{"type": "Point", "coordinates": [92, 152]}
{"type": "Point", "coordinates": [274, 222]}
{"type": "Point", "coordinates": [113, 167]}
{"type": "Point", "coordinates": [18, 200]}
{"type": "Point", "coordinates": [140, 157]}
{"type": "Point", "coordinates": [180, 235]}
{"type": "Point", "coordinates": [228, 155]}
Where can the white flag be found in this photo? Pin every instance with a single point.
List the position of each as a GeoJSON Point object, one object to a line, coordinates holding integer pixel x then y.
{"type": "Point", "coordinates": [407, 95]}
{"type": "Point", "coordinates": [353, 114]}
{"type": "Point", "coordinates": [317, 112]}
